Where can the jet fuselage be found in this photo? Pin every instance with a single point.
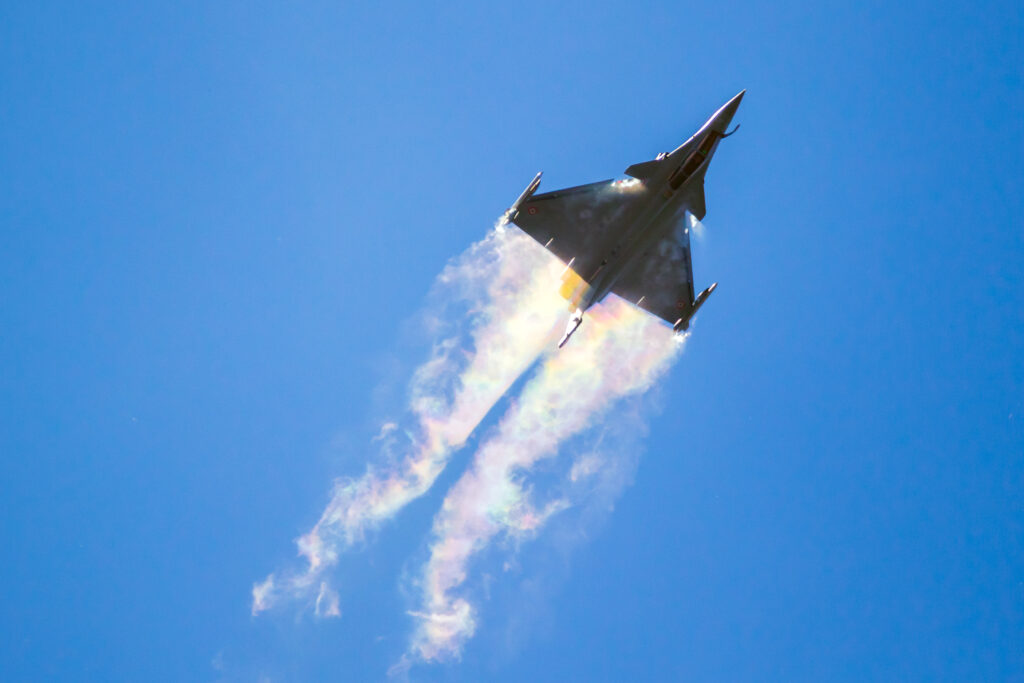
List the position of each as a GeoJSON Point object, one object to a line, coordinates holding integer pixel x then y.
{"type": "Point", "coordinates": [667, 204]}
{"type": "Point", "coordinates": [628, 237]}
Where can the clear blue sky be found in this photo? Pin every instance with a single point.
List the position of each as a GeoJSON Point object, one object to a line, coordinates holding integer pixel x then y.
{"type": "Point", "coordinates": [215, 217]}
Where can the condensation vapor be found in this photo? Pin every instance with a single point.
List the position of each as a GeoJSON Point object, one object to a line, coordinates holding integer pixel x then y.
{"type": "Point", "coordinates": [619, 352]}
{"type": "Point", "coordinates": [495, 308]}
{"type": "Point", "coordinates": [696, 227]}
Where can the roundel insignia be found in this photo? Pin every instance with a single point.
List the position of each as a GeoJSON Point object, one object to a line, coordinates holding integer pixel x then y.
{"type": "Point", "coordinates": [532, 210]}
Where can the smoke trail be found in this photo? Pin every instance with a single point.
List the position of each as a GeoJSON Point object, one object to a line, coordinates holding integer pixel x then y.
{"type": "Point", "coordinates": [498, 308]}
{"type": "Point", "coordinates": [621, 351]}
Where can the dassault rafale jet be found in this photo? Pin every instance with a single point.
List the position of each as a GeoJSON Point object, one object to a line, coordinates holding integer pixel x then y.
{"type": "Point", "coordinates": [630, 237]}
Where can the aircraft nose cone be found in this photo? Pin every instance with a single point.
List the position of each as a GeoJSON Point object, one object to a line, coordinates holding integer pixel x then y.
{"type": "Point", "coordinates": [723, 116]}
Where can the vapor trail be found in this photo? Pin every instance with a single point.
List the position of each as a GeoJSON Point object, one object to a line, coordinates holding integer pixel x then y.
{"type": "Point", "coordinates": [619, 352]}
{"type": "Point", "coordinates": [497, 308]}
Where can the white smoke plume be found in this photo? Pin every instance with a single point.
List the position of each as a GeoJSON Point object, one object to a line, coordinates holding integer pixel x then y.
{"type": "Point", "coordinates": [499, 308]}
{"type": "Point", "coordinates": [620, 351]}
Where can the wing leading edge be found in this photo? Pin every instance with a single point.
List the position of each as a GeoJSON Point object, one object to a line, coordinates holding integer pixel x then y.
{"type": "Point", "coordinates": [662, 282]}
{"type": "Point", "coordinates": [580, 224]}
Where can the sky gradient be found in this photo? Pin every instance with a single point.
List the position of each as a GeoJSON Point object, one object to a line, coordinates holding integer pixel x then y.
{"type": "Point", "coordinates": [219, 228]}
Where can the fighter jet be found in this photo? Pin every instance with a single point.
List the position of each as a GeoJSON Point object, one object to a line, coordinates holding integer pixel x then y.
{"type": "Point", "coordinates": [630, 237]}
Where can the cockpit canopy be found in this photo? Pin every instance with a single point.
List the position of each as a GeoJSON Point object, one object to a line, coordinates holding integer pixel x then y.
{"type": "Point", "coordinates": [693, 162]}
